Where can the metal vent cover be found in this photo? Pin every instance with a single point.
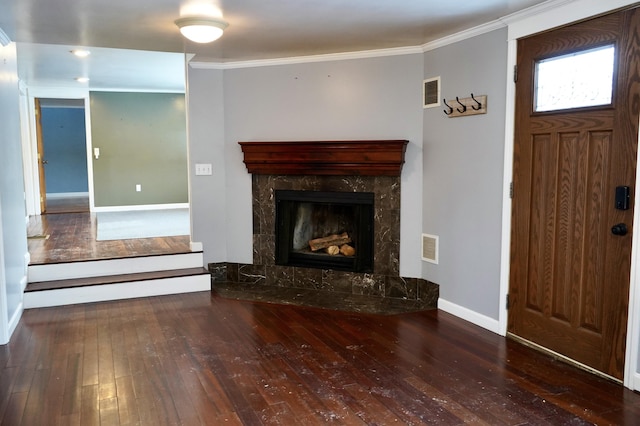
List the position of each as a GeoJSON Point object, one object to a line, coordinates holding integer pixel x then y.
{"type": "Point", "coordinates": [430, 248]}
{"type": "Point", "coordinates": [431, 92]}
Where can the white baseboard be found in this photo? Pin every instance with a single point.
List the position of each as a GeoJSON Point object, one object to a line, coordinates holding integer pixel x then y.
{"type": "Point", "coordinates": [635, 382]}
{"type": "Point", "coordinates": [54, 195]}
{"type": "Point", "coordinates": [128, 290]}
{"type": "Point", "coordinates": [107, 267]}
{"type": "Point", "coordinates": [15, 319]}
{"type": "Point", "coordinates": [141, 207]}
{"type": "Point", "coordinates": [27, 261]}
{"type": "Point", "coordinates": [469, 315]}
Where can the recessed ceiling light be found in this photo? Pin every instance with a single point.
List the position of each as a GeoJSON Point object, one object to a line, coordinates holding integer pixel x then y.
{"type": "Point", "coordinates": [81, 53]}
{"type": "Point", "coordinates": [82, 79]}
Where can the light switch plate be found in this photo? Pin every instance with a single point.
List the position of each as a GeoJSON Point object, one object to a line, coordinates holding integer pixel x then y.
{"type": "Point", "coordinates": [203, 169]}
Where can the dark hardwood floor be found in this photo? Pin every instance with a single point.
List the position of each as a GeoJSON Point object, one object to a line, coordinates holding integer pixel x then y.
{"type": "Point", "coordinates": [67, 205]}
{"type": "Point", "coordinates": [69, 237]}
{"type": "Point", "coordinates": [197, 358]}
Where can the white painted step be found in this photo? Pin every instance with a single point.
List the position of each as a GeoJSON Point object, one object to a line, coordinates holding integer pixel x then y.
{"type": "Point", "coordinates": [98, 268]}
{"type": "Point", "coordinates": [117, 291]}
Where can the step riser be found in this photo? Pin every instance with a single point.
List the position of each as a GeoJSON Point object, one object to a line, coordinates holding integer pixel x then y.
{"type": "Point", "coordinates": [98, 268]}
{"type": "Point", "coordinates": [128, 290]}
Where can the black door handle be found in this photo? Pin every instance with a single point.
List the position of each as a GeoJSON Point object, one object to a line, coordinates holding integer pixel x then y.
{"type": "Point", "coordinates": [619, 229]}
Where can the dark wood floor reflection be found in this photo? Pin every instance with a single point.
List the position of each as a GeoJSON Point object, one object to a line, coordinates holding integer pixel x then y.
{"type": "Point", "coordinates": [197, 358]}
{"type": "Point", "coordinates": [67, 205]}
{"type": "Point", "coordinates": [68, 237]}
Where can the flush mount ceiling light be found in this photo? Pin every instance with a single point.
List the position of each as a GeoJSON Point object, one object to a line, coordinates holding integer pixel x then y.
{"type": "Point", "coordinates": [201, 29]}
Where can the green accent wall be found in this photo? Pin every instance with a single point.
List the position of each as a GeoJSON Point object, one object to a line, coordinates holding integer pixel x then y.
{"type": "Point", "coordinates": [142, 139]}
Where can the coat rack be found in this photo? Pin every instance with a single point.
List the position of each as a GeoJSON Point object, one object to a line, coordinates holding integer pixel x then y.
{"type": "Point", "coordinates": [461, 107]}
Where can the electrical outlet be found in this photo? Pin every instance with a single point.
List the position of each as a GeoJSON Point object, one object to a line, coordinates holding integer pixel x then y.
{"type": "Point", "coordinates": [203, 169]}
{"type": "Point", "coordinates": [138, 187]}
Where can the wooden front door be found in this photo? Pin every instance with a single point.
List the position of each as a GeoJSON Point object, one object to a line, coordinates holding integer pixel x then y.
{"type": "Point", "coordinates": [569, 283]}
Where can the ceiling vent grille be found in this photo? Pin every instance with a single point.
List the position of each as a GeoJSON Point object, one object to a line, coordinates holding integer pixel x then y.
{"type": "Point", "coordinates": [431, 92]}
{"type": "Point", "coordinates": [430, 248]}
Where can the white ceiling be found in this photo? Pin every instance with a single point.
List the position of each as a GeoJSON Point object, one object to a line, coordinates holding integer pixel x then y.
{"type": "Point", "coordinates": [130, 39]}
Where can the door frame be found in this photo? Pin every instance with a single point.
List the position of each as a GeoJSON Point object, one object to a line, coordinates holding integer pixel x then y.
{"type": "Point", "coordinates": [31, 173]}
{"type": "Point", "coordinates": [555, 15]}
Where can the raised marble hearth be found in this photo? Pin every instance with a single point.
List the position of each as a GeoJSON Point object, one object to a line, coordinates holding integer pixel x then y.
{"type": "Point", "coordinates": [381, 291]}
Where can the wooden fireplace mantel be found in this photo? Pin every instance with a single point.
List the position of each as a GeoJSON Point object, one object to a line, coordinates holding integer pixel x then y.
{"type": "Point", "coordinates": [360, 158]}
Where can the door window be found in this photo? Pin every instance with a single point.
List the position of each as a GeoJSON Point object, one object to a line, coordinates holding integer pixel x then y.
{"type": "Point", "coordinates": [577, 80]}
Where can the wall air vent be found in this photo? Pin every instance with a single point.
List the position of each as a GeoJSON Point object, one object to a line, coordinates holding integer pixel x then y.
{"type": "Point", "coordinates": [430, 248]}
{"type": "Point", "coordinates": [431, 92]}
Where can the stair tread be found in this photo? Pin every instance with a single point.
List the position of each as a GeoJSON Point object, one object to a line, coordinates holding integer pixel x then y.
{"type": "Point", "coordinates": [113, 279]}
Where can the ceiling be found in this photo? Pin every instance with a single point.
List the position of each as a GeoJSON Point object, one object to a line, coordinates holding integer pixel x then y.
{"type": "Point", "coordinates": [136, 42]}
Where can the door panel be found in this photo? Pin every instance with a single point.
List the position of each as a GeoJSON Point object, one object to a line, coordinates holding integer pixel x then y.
{"type": "Point", "coordinates": [569, 279]}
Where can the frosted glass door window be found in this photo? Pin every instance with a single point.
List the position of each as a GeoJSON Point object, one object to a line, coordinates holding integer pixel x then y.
{"type": "Point", "coordinates": [577, 80]}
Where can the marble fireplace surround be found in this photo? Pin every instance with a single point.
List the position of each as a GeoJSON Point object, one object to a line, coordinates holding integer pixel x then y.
{"type": "Point", "coordinates": [344, 166]}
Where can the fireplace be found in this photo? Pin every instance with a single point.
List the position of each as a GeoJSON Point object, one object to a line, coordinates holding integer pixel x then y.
{"type": "Point", "coordinates": [326, 230]}
{"type": "Point", "coordinates": [354, 187]}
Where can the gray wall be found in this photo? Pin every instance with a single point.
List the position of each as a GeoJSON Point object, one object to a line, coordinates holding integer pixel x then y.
{"type": "Point", "coordinates": [13, 231]}
{"type": "Point", "coordinates": [463, 170]}
{"type": "Point", "coordinates": [142, 140]}
{"type": "Point", "coordinates": [375, 98]}
{"type": "Point", "coordinates": [65, 149]}
{"type": "Point", "coordinates": [206, 133]}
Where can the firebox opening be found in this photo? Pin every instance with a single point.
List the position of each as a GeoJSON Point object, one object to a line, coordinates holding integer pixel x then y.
{"type": "Point", "coordinates": [327, 230]}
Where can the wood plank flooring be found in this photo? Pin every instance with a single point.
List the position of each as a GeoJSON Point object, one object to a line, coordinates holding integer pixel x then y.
{"type": "Point", "coordinates": [67, 205]}
{"type": "Point", "coordinates": [72, 237]}
{"type": "Point", "coordinates": [200, 359]}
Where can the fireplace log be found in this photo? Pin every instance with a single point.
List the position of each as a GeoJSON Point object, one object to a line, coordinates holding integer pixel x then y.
{"type": "Point", "coordinates": [332, 250]}
{"type": "Point", "coordinates": [347, 250]}
{"type": "Point", "coordinates": [332, 240]}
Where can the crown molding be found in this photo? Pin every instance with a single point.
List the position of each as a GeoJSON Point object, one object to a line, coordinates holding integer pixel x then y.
{"type": "Point", "coordinates": [534, 10]}
{"type": "Point", "coordinates": [4, 38]}
{"type": "Point", "coordinates": [502, 22]}
{"type": "Point", "coordinates": [463, 35]}
{"type": "Point", "coordinates": [307, 59]}
{"type": "Point", "coordinates": [556, 13]}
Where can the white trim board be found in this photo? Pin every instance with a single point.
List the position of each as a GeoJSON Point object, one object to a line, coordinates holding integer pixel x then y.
{"type": "Point", "coordinates": [15, 319]}
{"type": "Point", "coordinates": [141, 207]}
{"type": "Point", "coordinates": [128, 290]}
{"type": "Point", "coordinates": [108, 267]}
{"type": "Point", "coordinates": [468, 315]}
{"type": "Point", "coordinates": [307, 59]}
{"type": "Point", "coordinates": [56, 195]}
{"type": "Point", "coordinates": [632, 365]}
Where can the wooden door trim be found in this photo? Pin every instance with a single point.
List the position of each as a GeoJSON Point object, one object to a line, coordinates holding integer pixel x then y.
{"type": "Point", "coordinates": [40, 160]}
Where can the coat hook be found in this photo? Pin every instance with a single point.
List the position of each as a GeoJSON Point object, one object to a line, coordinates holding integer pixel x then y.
{"type": "Point", "coordinates": [464, 107]}
{"type": "Point", "coordinates": [473, 106]}
{"type": "Point", "coordinates": [448, 106]}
